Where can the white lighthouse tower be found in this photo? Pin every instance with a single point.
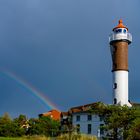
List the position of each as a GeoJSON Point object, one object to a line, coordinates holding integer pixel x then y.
{"type": "Point", "coordinates": [119, 41]}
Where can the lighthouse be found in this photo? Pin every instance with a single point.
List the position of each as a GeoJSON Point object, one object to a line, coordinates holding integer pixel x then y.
{"type": "Point", "coordinates": [119, 40]}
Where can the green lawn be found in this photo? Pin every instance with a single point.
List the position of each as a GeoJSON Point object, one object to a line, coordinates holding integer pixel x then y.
{"type": "Point", "coordinates": [6, 138]}
{"type": "Point", "coordinates": [62, 137]}
{"type": "Point", "coordinates": [26, 138]}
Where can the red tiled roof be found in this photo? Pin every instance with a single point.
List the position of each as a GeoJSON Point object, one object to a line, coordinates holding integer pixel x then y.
{"type": "Point", "coordinates": [54, 114]}
{"type": "Point", "coordinates": [82, 108]}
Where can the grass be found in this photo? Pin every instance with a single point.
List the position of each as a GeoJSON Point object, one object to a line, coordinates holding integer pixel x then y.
{"type": "Point", "coordinates": [26, 138]}
{"type": "Point", "coordinates": [6, 138]}
{"type": "Point", "coordinates": [62, 137]}
{"type": "Point", "coordinates": [76, 137]}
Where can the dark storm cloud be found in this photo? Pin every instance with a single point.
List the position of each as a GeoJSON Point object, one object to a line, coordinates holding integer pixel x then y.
{"type": "Point", "coordinates": [61, 48]}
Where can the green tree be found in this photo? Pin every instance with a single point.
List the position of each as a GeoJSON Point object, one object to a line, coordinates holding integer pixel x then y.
{"type": "Point", "coordinates": [5, 122]}
{"type": "Point", "coordinates": [43, 126]}
{"type": "Point", "coordinates": [133, 132]}
{"type": "Point", "coordinates": [35, 127]}
{"type": "Point", "coordinates": [119, 120]}
{"type": "Point", "coordinates": [11, 128]}
{"type": "Point", "coordinates": [20, 125]}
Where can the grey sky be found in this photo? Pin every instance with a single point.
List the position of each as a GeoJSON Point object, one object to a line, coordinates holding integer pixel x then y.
{"type": "Point", "coordinates": [61, 48]}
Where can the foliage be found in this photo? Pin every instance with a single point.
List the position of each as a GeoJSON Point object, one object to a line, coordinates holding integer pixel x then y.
{"type": "Point", "coordinates": [134, 131]}
{"type": "Point", "coordinates": [43, 126]}
{"type": "Point", "coordinates": [119, 121]}
{"type": "Point", "coordinates": [21, 126]}
{"type": "Point", "coordinates": [9, 127]}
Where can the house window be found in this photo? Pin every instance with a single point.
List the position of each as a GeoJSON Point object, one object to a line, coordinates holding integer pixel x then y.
{"type": "Point", "coordinates": [78, 118]}
{"type": "Point", "coordinates": [101, 118]}
{"type": "Point", "coordinates": [102, 129]}
{"type": "Point", "coordinates": [89, 117]}
{"type": "Point", "coordinates": [89, 128]}
{"type": "Point", "coordinates": [78, 128]}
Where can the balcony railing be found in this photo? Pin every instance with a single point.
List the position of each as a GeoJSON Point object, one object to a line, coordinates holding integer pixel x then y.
{"type": "Point", "coordinates": [120, 36]}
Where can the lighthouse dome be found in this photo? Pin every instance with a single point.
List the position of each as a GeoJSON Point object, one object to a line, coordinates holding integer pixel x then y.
{"type": "Point", "coordinates": [120, 25]}
{"type": "Point", "coordinates": [120, 33]}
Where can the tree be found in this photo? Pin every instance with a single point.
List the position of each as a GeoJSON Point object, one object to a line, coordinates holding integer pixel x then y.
{"type": "Point", "coordinates": [43, 126]}
{"type": "Point", "coordinates": [5, 125]}
{"type": "Point", "coordinates": [119, 120]}
{"type": "Point", "coordinates": [20, 125]}
{"type": "Point", "coordinates": [134, 131]}
{"type": "Point", "coordinates": [35, 127]}
{"type": "Point", "coordinates": [11, 128]}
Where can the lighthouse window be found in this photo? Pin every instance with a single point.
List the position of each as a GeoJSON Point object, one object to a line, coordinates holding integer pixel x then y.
{"type": "Point", "coordinates": [116, 30]}
{"type": "Point", "coordinates": [115, 85]}
{"type": "Point", "coordinates": [124, 30]}
{"type": "Point", "coordinates": [115, 101]}
{"type": "Point", "coordinates": [119, 30]}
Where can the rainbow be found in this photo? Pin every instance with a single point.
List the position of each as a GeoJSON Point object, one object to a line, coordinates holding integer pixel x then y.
{"type": "Point", "coordinates": [36, 93]}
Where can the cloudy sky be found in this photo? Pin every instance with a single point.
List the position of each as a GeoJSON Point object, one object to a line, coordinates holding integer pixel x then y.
{"type": "Point", "coordinates": [60, 48]}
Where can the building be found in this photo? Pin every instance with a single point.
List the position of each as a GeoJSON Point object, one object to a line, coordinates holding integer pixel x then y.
{"type": "Point", "coordinates": [80, 116]}
{"type": "Point", "coordinates": [82, 120]}
{"type": "Point", "coordinates": [54, 114]}
{"type": "Point", "coordinates": [119, 41]}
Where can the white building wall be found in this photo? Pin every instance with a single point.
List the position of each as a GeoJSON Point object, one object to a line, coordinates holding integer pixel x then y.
{"type": "Point", "coordinates": [95, 123]}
